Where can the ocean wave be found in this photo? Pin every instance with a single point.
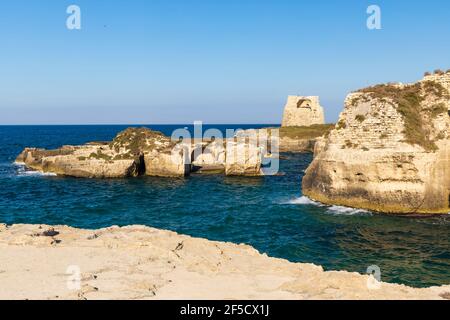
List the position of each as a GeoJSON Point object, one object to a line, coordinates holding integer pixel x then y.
{"type": "Point", "coordinates": [304, 200]}
{"type": "Point", "coordinates": [22, 171]}
{"type": "Point", "coordinates": [336, 210]}
{"type": "Point", "coordinates": [341, 210]}
{"type": "Point", "coordinates": [36, 174]}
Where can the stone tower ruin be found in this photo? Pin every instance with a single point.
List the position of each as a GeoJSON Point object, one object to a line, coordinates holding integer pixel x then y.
{"type": "Point", "coordinates": [302, 111]}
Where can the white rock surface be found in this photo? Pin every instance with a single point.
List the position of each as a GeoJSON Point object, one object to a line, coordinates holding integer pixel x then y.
{"type": "Point", "coordinates": [138, 262]}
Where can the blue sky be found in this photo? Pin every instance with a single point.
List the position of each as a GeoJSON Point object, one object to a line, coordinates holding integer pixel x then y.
{"type": "Point", "coordinates": [227, 61]}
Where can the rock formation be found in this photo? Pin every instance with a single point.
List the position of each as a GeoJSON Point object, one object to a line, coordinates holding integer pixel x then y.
{"type": "Point", "coordinates": [302, 111]}
{"type": "Point", "coordinates": [294, 139]}
{"type": "Point", "coordinates": [133, 152]}
{"type": "Point", "coordinates": [88, 161]}
{"type": "Point", "coordinates": [389, 152]}
{"type": "Point", "coordinates": [243, 159]}
{"type": "Point", "coordinates": [141, 151]}
{"type": "Point", "coordinates": [209, 156]}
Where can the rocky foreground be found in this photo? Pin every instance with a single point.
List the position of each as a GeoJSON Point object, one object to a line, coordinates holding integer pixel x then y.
{"type": "Point", "coordinates": [136, 262]}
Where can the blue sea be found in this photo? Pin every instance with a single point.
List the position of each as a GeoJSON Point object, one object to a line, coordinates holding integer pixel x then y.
{"type": "Point", "coordinates": [268, 213]}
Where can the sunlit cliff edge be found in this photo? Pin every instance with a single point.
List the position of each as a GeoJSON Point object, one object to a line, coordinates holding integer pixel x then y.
{"type": "Point", "coordinates": [389, 151]}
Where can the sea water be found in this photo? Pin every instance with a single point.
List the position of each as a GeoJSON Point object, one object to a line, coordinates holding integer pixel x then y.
{"type": "Point", "coordinates": [269, 213]}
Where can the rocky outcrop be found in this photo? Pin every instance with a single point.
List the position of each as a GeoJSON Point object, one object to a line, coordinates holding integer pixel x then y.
{"type": "Point", "coordinates": [389, 152]}
{"type": "Point", "coordinates": [292, 139]}
{"type": "Point", "coordinates": [209, 156]}
{"type": "Point", "coordinates": [81, 161]}
{"type": "Point", "coordinates": [133, 152]}
{"type": "Point", "coordinates": [161, 156]}
{"type": "Point", "coordinates": [141, 151]}
{"type": "Point", "coordinates": [165, 164]}
{"type": "Point", "coordinates": [302, 111]}
{"type": "Point", "coordinates": [243, 159]}
{"type": "Point", "coordinates": [137, 262]}
{"type": "Point", "coordinates": [297, 145]}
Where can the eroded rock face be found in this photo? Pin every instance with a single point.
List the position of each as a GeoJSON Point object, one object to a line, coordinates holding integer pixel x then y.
{"type": "Point", "coordinates": [81, 161]}
{"type": "Point", "coordinates": [389, 152]}
{"type": "Point", "coordinates": [290, 139]}
{"type": "Point", "coordinates": [167, 164]}
{"type": "Point", "coordinates": [123, 157]}
{"type": "Point", "coordinates": [141, 151]}
{"type": "Point", "coordinates": [243, 159]}
{"type": "Point", "coordinates": [296, 145]}
{"type": "Point", "coordinates": [302, 111]}
{"type": "Point", "coordinates": [211, 154]}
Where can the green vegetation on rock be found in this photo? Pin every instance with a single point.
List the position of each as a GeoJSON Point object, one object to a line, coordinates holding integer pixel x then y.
{"type": "Point", "coordinates": [311, 132]}
{"type": "Point", "coordinates": [341, 124]}
{"type": "Point", "coordinates": [134, 141]}
{"type": "Point", "coordinates": [409, 103]}
{"type": "Point", "coordinates": [100, 156]}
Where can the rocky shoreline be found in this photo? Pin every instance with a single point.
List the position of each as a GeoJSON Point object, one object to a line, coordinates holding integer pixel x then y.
{"type": "Point", "coordinates": [137, 262]}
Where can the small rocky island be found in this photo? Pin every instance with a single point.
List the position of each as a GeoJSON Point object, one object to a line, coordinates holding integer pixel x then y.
{"type": "Point", "coordinates": [389, 152]}
{"type": "Point", "coordinates": [133, 152]}
{"type": "Point", "coordinates": [142, 151]}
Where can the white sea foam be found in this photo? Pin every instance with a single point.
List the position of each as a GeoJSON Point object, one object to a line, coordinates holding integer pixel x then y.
{"type": "Point", "coordinates": [305, 201]}
{"type": "Point", "coordinates": [337, 210]}
{"type": "Point", "coordinates": [36, 174]}
{"type": "Point", "coordinates": [340, 210]}
{"type": "Point", "coordinates": [22, 171]}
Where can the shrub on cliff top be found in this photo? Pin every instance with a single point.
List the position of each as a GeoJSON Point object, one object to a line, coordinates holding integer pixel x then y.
{"type": "Point", "coordinates": [436, 89]}
{"type": "Point", "coordinates": [408, 101]}
{"type": "Point", "coordinates": [137, 140]}
{"type": "Point", "coordinates": [310, 132]}
{"type": "Point", "coordinates": [438, 109]}
{"type": "Point", "coordinates": [99, 156]}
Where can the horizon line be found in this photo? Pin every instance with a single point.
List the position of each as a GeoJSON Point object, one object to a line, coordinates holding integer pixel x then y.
{"type": "Point", "coordinates": [130, 124]}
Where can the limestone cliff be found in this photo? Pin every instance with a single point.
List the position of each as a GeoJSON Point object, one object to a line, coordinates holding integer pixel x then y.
{"type": "Point", "coordinates": [389, 152]}
{"type": "Point", "coordinates": [302, 111]}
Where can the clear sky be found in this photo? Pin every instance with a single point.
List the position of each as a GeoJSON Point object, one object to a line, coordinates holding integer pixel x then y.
{"type": "Point", "coordinates": [220, 61]}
